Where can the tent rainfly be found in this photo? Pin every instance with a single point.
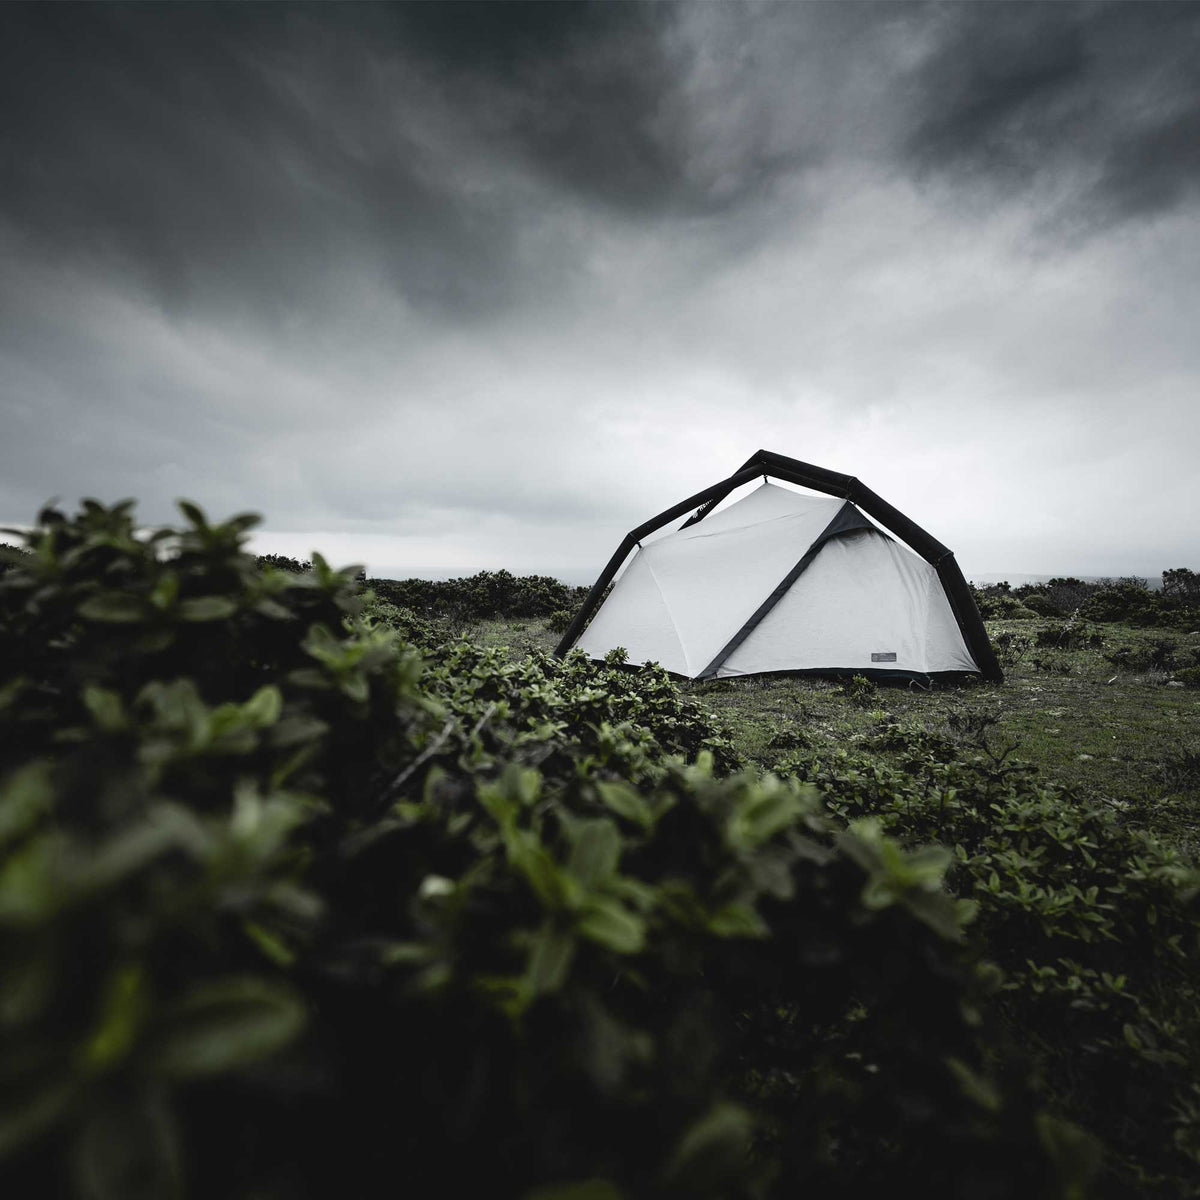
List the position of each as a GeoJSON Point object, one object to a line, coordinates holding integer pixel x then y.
{"type": "Point", "coordinates": [786, 581]}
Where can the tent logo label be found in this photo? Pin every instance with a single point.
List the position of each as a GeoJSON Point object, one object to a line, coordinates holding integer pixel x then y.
{"type": "Point", "coordinates": [887, 656]}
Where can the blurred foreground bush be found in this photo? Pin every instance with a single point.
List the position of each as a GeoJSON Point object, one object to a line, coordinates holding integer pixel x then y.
{"type": "Point", "coordinates": [288, 908]}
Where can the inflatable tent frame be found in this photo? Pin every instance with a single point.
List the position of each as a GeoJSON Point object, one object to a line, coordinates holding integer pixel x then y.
{"type": "Point", "coordinates": [831, 483]}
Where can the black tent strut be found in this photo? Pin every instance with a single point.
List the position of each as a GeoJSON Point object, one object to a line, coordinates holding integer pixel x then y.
{"type": "Point", "coordinates": [817, 479]}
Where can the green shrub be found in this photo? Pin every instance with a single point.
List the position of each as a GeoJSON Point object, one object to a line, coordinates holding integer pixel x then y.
{"type": "Point", "coordinates": [1069, 593]}
{"type": "Point", "coordinates": [860, 691]}
{"type": "Point", "coordinates": [1158, 655]}
{"type": "Point", "coordinates": [1181, 588]}
{"type": "Point", "coordinates": [11, 556]}
{"type": "Point", "coordinates": [1129, 600]}
{"type": "Point", "coordinates": [559, 619]}
{"type": "Point", "coordinates": [1011, 647]}
{"type": "Point", "coordinates": [1052, 663]}
{"type": "Point", "coordinates": [1041, 605]}
{"type": "Point", "coordinates": [1095, 927]}
{"type": "Point", "coordinates": [285, 910]}
{"type": "Point", "coordinates": [281, 562]}
{"type": "Point", "coordinates": [1126, 600]}
{"type": "Point", "coordinates": [1075, 634]}
{"type": "Point", "coordinates": [1189, 676]}
{"type": "Point", "coordinates": [483, 595]}
{"type": "Point", "coordinates": [1000, 605]}
{"type": "Point", "coordinates": [412, 628]}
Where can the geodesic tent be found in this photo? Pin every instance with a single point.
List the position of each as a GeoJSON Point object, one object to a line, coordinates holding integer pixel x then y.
{"type": "Point", "coordinates": [787, 581]}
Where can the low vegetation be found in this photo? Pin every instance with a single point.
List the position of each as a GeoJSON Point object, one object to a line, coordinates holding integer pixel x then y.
{"type": "Point", "coordinates": [1128, 600]}
{"type": "Point", "coordinates": [300, 889]}
{"type": "Point", "coordinates": [483, 595]}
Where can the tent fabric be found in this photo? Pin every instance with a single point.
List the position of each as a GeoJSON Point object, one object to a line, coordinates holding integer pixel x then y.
{"type": "Point", "coordinates": [845, 520]}
{"type": "Point", "coordinates": [685, 600]}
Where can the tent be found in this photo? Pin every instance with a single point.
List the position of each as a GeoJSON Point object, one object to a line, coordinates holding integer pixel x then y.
{"type": "Point", "coordinates": [787, 581]}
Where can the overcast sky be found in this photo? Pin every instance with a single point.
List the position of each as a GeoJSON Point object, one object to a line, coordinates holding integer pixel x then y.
{"type": "Point", "coordinates": [443, 287]}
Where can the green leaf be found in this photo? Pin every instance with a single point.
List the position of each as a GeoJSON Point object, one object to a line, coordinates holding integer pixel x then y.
{"type": "Point", "coordinates": [550, 959]}
{"type": "Point", "coordinates": [264, 707]}
{"type": "Point", "coordinates": [114, 608]}
{"type": "Point", "coordinates": [30, 887]}
{"type": "Point", "coordinates": [165, 592]}
{"type": "Point", "coordinates": [207, 608]}
{"type": "Point", "coordinates": [713, 1150]}
{"type": "Point", "coordinates": [25, 1117]}
{"type": "Point", "coordinates": [605, 921]}
{"type": "Point", "coordinates": [554, 887]}
{"type": "Point", "coordinates": [125, 853]}
{"type": "Point", "coordinates": [106, 708]}
{"type": "Point", "coordinates": [405, 954]}
{"type": "Point", "coordinates": [128, 1149]}
{"type": "Point", "coordinates": [596, 851]}
{"type": "Point", "coordinates": [26, 983]}
{"type": "Point", "coordinates": [294, 730]}
{"type": "Point", "coordinates": [771, 809]}
{"type": "Point", "coordinates": [242, 521]}
{"type": "Point", "coordinates": [738, 920]}
{"type": "Point", "coordinates": [977, 1089]}
{"type": "Point", "coordinates": [1075, 1153]}
{"type": "Point", "coordinates": [193, 513]}
{"type": "Point", "coordinates": [226, 1024]}
{"type": "Point", "coordinates": [25, 795]}
{"type": "Point", "coordinates": [260, 825]}
{"type": "Point", "coordinates": [123, 1008]}
{"type": "Point", "coordinates": [580, 1189]}
{"type": "Point", "coordinates": [272, 610]}
{"type": "Point", "coordinates": [435, 887]}
{"type": "Point", "coordinates": [271, 944]}
{"type": "Point", "coordinates": [625, 802]}
{"type": "Point", "coordinates": [937, 910]}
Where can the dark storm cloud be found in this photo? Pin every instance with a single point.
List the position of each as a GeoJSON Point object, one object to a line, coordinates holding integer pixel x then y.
{"type": "Point", "coordinates": [211, 150]}
{"type": "Point", "coordinates": [1105, 97]}
{"type": "Point", "coordinates": [574, 89]}
{"type": "Point", "coordinates": [196, 148]}
{"type": "Point", "coordinates": [476, 272]}
{"type": "Point", "coordinates": [232, 154]}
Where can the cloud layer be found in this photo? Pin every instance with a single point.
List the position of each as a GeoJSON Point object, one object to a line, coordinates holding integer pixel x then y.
{"type": "Point", "coordinates": [451, 286]}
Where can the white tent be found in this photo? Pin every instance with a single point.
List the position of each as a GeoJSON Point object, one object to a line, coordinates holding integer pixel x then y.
{"type": "Point", "coordinates": [784, 580]}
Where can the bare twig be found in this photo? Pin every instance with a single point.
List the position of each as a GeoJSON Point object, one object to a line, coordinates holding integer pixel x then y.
{"type": "Point", "coordinates": [389, 793]}
{"type": "Point", "coordinates": [425, 755]}
{"type": "Point", "coordinates": [487, 716]}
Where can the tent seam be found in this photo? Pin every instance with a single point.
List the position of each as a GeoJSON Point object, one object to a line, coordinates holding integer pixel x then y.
{"type": "Point", "coordinates": [845, 521]}
{"type": "Point", "coordinates": [737, 528]}
{"type": "Point", "coordinates": [671, 616]}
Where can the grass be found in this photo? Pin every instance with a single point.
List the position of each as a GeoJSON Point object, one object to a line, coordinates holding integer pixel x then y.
{"type": "Point", "coordinates": [518, 635]}
{"type": "Point", "coordinates": [1122, 737]}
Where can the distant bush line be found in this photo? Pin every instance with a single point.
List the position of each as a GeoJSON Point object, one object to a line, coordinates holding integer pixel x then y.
{"type": "Point", "coordinates": [1127, 600]}
{"type": "Point", "coordinates": [414, 603]}
{"type": "Point", "coordinates": [480, 596]}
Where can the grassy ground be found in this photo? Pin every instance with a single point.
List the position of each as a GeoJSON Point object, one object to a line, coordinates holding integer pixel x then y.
{"type": "Point", "coordinates": [1127, 738]}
